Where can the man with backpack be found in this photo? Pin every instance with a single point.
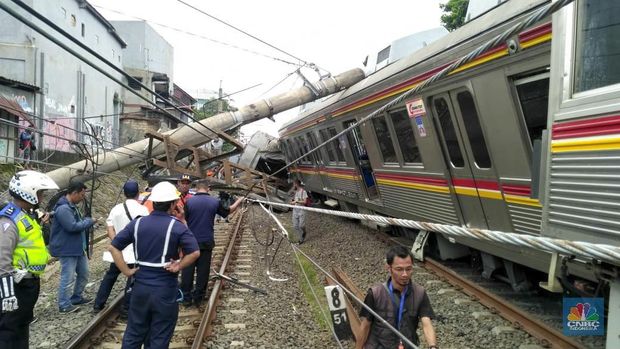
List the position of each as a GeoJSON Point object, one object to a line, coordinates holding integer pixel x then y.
{"type": "Point", "coordinates": [26, 146]}
{"type": "Point", "coordinates": [299, 216]}
{"type": "Point", "coordinates": [119, 217]}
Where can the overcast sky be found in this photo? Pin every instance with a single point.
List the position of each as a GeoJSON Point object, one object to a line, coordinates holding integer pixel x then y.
{"type": "Point", "coordinates": [335, 35]}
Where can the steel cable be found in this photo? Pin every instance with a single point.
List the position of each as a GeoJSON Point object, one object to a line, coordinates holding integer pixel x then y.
{"type": "Point", "coordinates": [603, 252]}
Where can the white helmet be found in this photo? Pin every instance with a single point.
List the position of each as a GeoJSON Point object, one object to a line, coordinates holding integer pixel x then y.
{"type": "Point", "coordinates": [164, 191]}
{"type": "Point", "coordinates": [26, 184]}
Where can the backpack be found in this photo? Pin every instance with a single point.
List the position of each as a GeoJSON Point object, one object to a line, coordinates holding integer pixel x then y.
{"type": "Point", "coordinates": [308, 202]}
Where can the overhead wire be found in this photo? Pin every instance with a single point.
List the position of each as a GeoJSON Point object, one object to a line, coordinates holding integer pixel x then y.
{"type": "Point", "coordinates": [102, 59]}
{"type": "Point", "coordinates": [183, 31]}
{"type": "Point", "coordinates": [51, 121]}
{"type": "Point", "coordinates": [305, 63]}
{"type": "Point", "coordinates": [495, 41]}
{"type": "Point", "coordinates": [346, 290]}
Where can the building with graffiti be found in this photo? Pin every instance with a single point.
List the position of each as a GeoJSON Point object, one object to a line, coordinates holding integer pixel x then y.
{"type": "Point", "coordinates": [59, 94]}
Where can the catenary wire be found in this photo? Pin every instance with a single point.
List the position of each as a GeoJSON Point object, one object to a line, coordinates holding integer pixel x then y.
{"type": "Point", "coordinates": [359, 301]}
{"type": "Point", "coordinates": [183, 31]}
{"type": "Point", "coordinates": [102, 59]}
{"type": "Point", "coordinates": [68, 128]}
{"type": "Point", "coordinates": [243, 32]}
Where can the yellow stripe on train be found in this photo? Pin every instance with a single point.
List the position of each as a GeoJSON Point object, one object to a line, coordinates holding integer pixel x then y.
{"type": "Point", "coordinates": [586, 144]}
{"type": "Point", "coordinates": [522, 200]}
{"type": "Point", "coordinates": [425, 187]}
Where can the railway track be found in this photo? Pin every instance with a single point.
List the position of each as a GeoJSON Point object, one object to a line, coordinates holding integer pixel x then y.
{"type": "Point", "coordinates": [106, 330]}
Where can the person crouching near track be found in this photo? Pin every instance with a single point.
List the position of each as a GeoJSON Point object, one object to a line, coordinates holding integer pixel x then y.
{"type": "Point", "coordinates": [119, 217]}
{"type": "Point", "coordinates": [156, 240]}
{"type": "Point", "coordinates": [299, 215]}
{"type": "Point", "coordinates": [400, 302]}
{"type": "Point", "coordinates": [23, 257]}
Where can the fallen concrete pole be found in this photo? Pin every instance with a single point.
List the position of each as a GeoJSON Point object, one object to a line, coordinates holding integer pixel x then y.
{"type": "Point", "coordinates": [134, 153]}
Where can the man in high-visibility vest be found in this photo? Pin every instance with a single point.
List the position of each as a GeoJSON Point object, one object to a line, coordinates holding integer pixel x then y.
{"type": "Point", "coordinates": [23, 256]}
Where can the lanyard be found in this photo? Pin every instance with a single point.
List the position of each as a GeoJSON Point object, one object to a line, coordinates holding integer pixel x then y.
{"type": "Point", "coordinates": [401, 306]}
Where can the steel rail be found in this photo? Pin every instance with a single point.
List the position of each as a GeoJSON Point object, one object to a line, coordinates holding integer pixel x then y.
{"type": "Point", "coordinates": [548, 336]}
{"type": "Point", "coordinates": [208, 316]}
{"type": "Point", "coordinates": [96, 326]}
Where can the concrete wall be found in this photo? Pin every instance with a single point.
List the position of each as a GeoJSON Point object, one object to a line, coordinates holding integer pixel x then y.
{"type": "Point", "coordinates": [70, 89]}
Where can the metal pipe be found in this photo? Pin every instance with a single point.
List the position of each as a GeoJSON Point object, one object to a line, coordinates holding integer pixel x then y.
{"type": "Point", "coordinates": [132, 154]}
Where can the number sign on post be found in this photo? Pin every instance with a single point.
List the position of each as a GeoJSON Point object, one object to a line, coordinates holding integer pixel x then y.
{"type": "Point", "coordinates": [338, 311]}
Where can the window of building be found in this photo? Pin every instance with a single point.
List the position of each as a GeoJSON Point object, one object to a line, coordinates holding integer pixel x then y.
{"type": "Point", "coordinates": [406, 139]}
{"type": "Point", "coordinates": [597, 48]}
{"type": "Point", "coordinates": [533, 93]}
{"type": "Point", "coordinates": [383, 54]}
{"type": "Point", "coordinates": [336, 143]}
{"type": "Point", "coordinates": [449, 132]}
{"type": "Point", "coordinates": [135, 84]}
{"type": "Point", "coordinates": [384, 139]}
{"type": "Point", "coordinates": [83, 30]}
{"type": "Point", "coordinates": [328, 147]}
{"type": "Point", "coordinates": [474, 131]}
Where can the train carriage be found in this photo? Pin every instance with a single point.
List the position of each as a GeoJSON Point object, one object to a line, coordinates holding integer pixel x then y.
{"type": "Point", "coordinates": [481, 148]}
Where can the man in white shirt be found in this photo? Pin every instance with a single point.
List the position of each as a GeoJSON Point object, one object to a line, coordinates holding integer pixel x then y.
{"type": "Point", "coordinates": [299, 215]}
{"type": "Point", "coordinates": [119, 217]}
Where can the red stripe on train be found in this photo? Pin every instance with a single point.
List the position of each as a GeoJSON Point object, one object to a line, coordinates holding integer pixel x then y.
{"type": "Point", "coordinates": [471, 183]}
{"type": "Point", "coordinates": [519, 190]}
{"type": "Point", "coordinates": [585, 128]}
{"type": "Point", "coordinates": [535, 32]}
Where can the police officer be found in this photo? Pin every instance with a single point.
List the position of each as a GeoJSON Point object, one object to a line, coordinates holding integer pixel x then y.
{"type": "Point", "coordinates": [23, 257]}
{"type": "Point", "coordinates": [156, 241]}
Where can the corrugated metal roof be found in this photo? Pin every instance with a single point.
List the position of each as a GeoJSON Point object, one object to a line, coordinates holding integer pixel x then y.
{"type": "Point", "coordinates": [18, 84]}
{"type": "Point", "coordinates": [11, 107]}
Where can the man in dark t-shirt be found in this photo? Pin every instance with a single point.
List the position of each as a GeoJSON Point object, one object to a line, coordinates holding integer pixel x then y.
{"type": "Point", "coordinates": [399, 301]}
{"type": "Point", "coordinates": [200, 211]}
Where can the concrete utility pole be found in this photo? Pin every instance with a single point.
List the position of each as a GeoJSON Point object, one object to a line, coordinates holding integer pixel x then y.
{"type": "Point", "coordinates": [135, 153]}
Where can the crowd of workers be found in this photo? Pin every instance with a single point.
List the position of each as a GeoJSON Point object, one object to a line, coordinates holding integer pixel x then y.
{"type": "Point", "coordinates": [154, 236]}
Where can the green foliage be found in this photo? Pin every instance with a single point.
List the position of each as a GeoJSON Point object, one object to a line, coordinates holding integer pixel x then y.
{"type": "Point", "coordinates": [455, 11]}
{"type": "Point", "coordinates": [317, 286]}
{"type": "Point", "coordinates": [212, 107]}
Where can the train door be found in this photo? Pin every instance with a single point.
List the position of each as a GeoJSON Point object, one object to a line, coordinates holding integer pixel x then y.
{"type": "Point", "coordinates": [319, 160]}
{"type": "Point", "coordinates": [467, 157]}
{"type": "Point", "coordinates": [362, 163]}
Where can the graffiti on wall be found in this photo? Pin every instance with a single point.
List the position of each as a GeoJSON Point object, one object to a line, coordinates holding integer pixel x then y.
{"type": "Point", "coordinates": [59, 124]}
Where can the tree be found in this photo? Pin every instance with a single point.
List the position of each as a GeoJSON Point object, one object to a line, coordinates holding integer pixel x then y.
{"type": "Point", "coordinates": [213, 107]}
{"type": "Point", "coordinates": [455, 11]}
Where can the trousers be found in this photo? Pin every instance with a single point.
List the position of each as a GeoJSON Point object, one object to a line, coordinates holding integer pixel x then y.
{"type": "Point", "coordinates": [153, 314]}
{"type": "Point", "coordinates": [73, 275]}
{"type": "Point", "coordinates": [107, 283]}
{"type": "Point", "coordinates": [15, 325]}
{"type": "Point", "coordinates": [202, 267]}
{"type": "Point", "coordinates": [299, 223]}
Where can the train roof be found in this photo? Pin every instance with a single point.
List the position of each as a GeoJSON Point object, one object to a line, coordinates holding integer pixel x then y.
{"type": "Point", "coordinates": [495, 17]}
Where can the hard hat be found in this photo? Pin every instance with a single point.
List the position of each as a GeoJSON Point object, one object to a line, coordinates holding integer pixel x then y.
{"type": "Point", "coordinates": [26, 184]}
{"type": "Point", "coordinates": [164, 191]}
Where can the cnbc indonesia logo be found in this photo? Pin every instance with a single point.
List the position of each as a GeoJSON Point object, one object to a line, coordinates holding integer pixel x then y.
{"type": "Point", "coordinates": [583, 316]}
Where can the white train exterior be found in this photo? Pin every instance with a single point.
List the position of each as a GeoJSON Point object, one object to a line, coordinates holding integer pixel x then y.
{"type": "Point", "coordinates": [524, 139]}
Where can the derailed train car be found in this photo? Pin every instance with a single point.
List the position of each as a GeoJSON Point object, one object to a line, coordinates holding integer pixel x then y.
{"type": "Point", "coordinates": [523, 139]}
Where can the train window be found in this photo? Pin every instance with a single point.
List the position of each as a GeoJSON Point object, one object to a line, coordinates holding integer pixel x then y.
{"type": "Point", "coordinates": [533, 93]}
{"type": "Point", "coordinates": [328, 147]}
{"type": "Point", "coordinates": [339, 153]}
{"type": "Point", "coordinates": [384, 139]}
{"type": "Point", "coordinates": [317, 154]}
{"type": "Point", "coordinates": [474, 131]}
{"type": "Point", "coordinates": [406, 139]}
{"type": "Point", "coordinates": [302, 150]}
{"type": "Point", "coordinates": [449, 132]}
{"type": "Point", "coordinates": [597, 48]}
